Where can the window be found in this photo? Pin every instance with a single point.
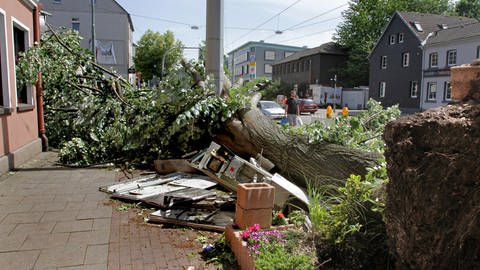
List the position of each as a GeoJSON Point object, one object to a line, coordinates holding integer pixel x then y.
{"type": "Point", "coordinates": [451, 57]}
{"type": "Point", "coordinates": [383, 62]}
{"type": "Point", "coordinates": [447, 94]}
{"type": "Point", "coordinates": [20, 44]}
{"type": "Point", "coordinates": [413, 89]}
{"type": "Point", "coordinates": [381, 92]}
{"type": "Point", "coordinates": [405, 59]}
{"type": "Point", "coordinates": [298, 67]}
{"type": "Point", "coordinates": [287, 54]}
{"type": "Point", "coordinates": [57, 1]}
{"type": "Point", "coordinates": [418, 26]}
{"type": "Point", "coordinates": [268, 68]}
{"type": "Point", "coordinates": [392, 39]}
{"type": "Point", "coordinates": [76, 24]}
{"type": "Point", "coordinates": [269, 55]}
{"type": "Point", "coordinates": [431, 91]}
{"type": "Point", "coordinates": [434, 59]}
{"type": "Point", "coordinates": [4, 91]}
{"type": "Point", "coordinates": [302, 64]}
{"type": "Point", "coordinates": [478, 51]}
{"type": "Point", "coordinates": [309, 62]}
{"type": "Point", "coordinates": [400, 37]}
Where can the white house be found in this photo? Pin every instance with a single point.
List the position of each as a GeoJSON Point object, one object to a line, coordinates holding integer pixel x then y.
{"type": "Point", "coordinates": [442, 50]}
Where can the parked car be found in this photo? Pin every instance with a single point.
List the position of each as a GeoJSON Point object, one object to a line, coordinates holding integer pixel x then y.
{"type": "Point", "coordinates": [307, 106]}
{"type": "Point", "coordinates": [271, 109]}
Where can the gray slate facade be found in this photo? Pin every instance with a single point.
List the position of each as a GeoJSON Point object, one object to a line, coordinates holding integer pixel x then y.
{"type": "Point", "coordinates": [396, 69]}
{"type": "Point", "coordinates": [312, 66]}
{"type": "Point", "coordinates": [263, 56]}
{"type": "Point", "coordinates": [113, 29]}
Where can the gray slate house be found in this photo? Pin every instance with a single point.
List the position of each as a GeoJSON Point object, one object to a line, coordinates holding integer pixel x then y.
{"type": "Point", "coordinates": [254, 59]}
{"type": "Point", "coordinates": [113, 29]}
{"type": "Point", "coordinates": [312, 66]}
{"type": "Point", "coordinates": [396, 69]}
{"type": "Point", "coordinates": [442, 50]}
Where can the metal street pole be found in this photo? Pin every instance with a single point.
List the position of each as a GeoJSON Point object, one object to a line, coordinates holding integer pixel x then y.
{"type": "Point", "coordinates": [93, 30]}
{"type": "Point", "coordinates": [214, 35]}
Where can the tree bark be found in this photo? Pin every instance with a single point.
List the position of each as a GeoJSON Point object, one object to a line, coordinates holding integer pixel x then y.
{"type": "Point", "coordinates": [294, 158]}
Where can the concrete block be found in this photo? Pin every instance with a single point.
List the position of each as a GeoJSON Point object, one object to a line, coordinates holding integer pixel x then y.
{"type": "Point", "coordinates": [246, 218]}
{"type": "Point", "coordinates": [255, 195]}
{"type": "Point", "coordinates": [26, 152]}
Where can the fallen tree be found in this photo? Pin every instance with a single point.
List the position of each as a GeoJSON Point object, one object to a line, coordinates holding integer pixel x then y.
{"type": "Point", "coordinates": [106, 122]}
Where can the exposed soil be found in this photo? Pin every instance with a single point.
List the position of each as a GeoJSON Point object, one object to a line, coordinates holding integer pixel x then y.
{"type": "Point", "coordinates": [433, 197]}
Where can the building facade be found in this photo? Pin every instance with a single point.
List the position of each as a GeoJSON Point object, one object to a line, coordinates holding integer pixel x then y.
{"type": "Point", "coordinates": [312, 66]}
{"type": "Point", "coordinates": [443, 50]}
{"type": "Point", "coordinates": [114, 45]}
{"type": "Point", "coordinates": [254, 59]}
{"type": "Point", "coordinates": [19, 136]}
{"type": "Point", "coordinates": [396, 69]}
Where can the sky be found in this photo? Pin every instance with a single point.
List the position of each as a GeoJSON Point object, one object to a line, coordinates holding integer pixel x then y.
{"type": "Point", "coordinates": [301, 22]}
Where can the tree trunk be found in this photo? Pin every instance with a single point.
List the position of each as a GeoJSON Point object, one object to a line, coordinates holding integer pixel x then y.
{"type": "Point", "coordinates": [253, 133]}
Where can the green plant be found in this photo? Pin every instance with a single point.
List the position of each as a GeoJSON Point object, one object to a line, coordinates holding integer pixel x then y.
{"type": "Point", "coordinates": [278, 218]}
{"type": "Point", "coordinates": [127, 206]}
{"type": "Point", "coordinates": [276, 257]}
{"type": "Point", "coordinates": [220, 255]}
{"type": "Point", "coordinates": [296, 217]}
{"type": "Point", "coordinates": [362, 131]}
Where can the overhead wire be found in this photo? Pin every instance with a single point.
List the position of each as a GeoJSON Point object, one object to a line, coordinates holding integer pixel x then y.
{"type": "Point", "coordinates": [266, 21]}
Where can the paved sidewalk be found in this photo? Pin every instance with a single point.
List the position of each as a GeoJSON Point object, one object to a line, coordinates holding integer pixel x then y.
{"type": "Point", "coordinates": [54, 217]}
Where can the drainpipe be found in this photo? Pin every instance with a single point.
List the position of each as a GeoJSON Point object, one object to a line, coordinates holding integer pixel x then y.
{"type": "Point", "coordinates": [39, 86]}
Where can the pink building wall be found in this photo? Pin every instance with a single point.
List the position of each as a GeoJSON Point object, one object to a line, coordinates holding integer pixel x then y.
{"type": "Point", "coordinates": [18, 128]}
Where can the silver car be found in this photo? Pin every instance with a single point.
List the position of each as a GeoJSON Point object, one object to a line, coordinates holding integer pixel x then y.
{"type": "Point", "coordinates": [271, 109]}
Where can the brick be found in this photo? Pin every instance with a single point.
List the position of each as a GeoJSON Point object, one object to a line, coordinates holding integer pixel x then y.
{"type": "Point", "coordinates": [22, 217]}
{"type": "Point", "coordinates": [95, 213]}
{"type": "Point", "coordinates": [66, 215]}
{"type": "Point", "coordinates": [255, 195]}
{"type": "Point", "coordinates": [11, 242]}
{"type": "Point", "coordinates": [88, 238]}
{"type": "Point", "coordinates": [246, 218]}
{"type": "Point", "coordinates": [239, 248]}
{"type": "Point", "coordinates": [101, 224]}
{"type": "Point", "coordinates": [49, 206]}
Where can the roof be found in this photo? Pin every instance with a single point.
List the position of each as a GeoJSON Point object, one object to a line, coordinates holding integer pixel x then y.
{"type": "Point", "coordinates": [264, 44]}
{"type": "Point", "coordinates": [455, 33]}
{"type": "Point", "coordinates": [31, 3]}
{"type": "Point", "coordinates": [128, 15]}
{"type": "Point", "coordinates": [431, 22]}
{"type": "Point", "coordinates": [326, 48]}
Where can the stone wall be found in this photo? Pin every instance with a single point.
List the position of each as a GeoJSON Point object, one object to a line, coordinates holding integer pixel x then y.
{"type": "Point", "coordinates": [433, 197]}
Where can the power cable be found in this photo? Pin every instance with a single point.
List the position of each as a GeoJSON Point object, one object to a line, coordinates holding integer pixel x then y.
{"type": "Point", "coordinates": [314, 17]}
{"type": "Point", "coordinates": [258, 26]}
{"type": "Point", "coordinates": [312, 34]}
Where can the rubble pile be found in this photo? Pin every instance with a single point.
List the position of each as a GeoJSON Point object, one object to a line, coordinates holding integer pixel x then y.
{"type": "Point", "coordinates": [202, 194]}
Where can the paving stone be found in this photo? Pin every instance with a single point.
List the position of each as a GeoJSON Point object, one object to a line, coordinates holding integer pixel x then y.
{"type": "Point", "coordinates": [73, 226]}
{"type": "Point", "coordinates": [33, 228]}
{"type": "Point", "coordinates": [10, 200]}
{"type": "Point", "coordinates": [45, 241]}
{"type": "Point", "coordinates": [97, 254]}
{"type": "Point", "coordinates": [19, 260]}
{"type": "Point", "coordinates": [104, 212]}
{"type": "Point", "coordinates": [70, 197]}
{"type": "Point", "coordinates": [38, 198]}
{"type": "Point", "coordinates": [11, 242]}
{"type": "Point", "coordinates": [88, 238]}
{"type": "Point", "coordinates": [30, 217]}
{"type": "Point", "coordinates": [85, 267]}
{"type": "Point", "coordinates": [16, 208]}
{"type": "Point", "coordinates": [66, 215]}
{"type": "Point", "coordinates": [61, 257]}
{"type": "Point", "coordinates": [81, 205]}
{"type": "Point", "coordinates": [6, 229]}
{"type": "Point", "coordinates": [101, 224]}
{"type": "Point", "coordinates": [49, 206]}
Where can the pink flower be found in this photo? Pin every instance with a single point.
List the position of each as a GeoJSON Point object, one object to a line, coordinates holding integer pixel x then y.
{"type": "Point", "coordinates": [245, 235]}
{"type": "Point", "coordinates": [255, 227]}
